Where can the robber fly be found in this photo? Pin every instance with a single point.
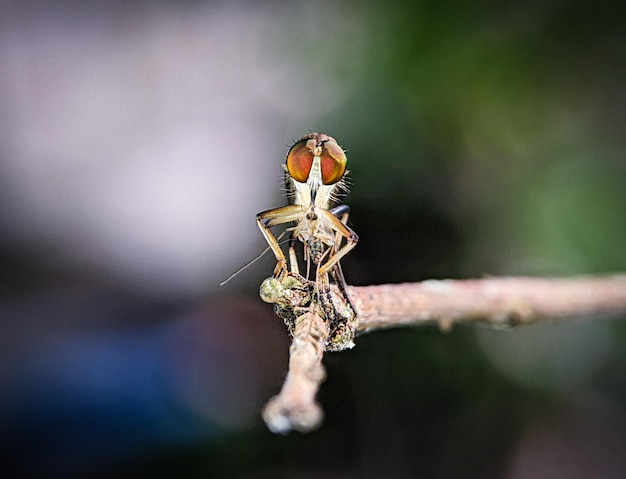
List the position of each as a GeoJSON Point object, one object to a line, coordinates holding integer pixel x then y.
{"type": "Point", "coordinates": [315, 173]}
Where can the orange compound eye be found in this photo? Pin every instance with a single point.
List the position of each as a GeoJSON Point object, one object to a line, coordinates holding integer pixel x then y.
{"type": "Point", "coordinates": [299, 161]}
{"type": "Point", "coordinates": [333, 163]}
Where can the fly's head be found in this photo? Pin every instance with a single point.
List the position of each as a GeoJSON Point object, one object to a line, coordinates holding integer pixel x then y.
{"type": "Point", "coordinates": [316, 170]}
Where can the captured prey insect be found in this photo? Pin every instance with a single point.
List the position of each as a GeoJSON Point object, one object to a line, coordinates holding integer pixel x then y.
{"type": "Point", "coordinates": [315, 173]}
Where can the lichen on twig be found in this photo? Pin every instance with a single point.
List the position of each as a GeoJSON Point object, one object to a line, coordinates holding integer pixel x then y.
{"type": "Point", "coordinates": [296, 302]}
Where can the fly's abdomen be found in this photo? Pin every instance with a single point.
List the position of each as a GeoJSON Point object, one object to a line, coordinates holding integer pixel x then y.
{"type": "Point", "coordinates": [316, 251]}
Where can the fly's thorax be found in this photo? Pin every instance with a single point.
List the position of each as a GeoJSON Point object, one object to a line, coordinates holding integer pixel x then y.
{"type": "Point", "coordinates": [315, 227]}
{"type": "Point", "coordinates": [308, 226]}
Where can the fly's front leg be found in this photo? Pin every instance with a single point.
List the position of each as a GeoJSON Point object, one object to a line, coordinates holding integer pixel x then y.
{"type": "Point", "coordinates": [342, 231]}
{"type": "Point", "coordinates": [332, 265]}
{"type": "Point", "coordinates": [278, 216]}
{"type": "Point", "coordinates": [342, 212]}
{"type": "Point", "coordinates": [293, 259]}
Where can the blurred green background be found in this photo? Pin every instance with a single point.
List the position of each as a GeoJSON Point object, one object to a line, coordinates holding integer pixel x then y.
{"type": "Point", "coordinates": [139, 139]}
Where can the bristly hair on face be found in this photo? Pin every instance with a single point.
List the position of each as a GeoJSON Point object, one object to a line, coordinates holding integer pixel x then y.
{"type": "Point", "coordinates": [287, 185]}
{"type": "Point", "coordinates": [341, 189]}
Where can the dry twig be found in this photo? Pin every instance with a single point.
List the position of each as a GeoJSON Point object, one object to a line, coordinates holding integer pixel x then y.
{"type": "Point", "coordinates": [295, 406]}
{"type": "Point", "coordinates": [500, 301]}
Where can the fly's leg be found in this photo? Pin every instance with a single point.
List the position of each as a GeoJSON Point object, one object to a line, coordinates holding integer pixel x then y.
{"type": "Point", "coordinates": [293, 259]}
{"type": "Point", "coordinates": [278, 216]}
{"type": "Point", "coordinates": [342, 212]}
{"type": "Point", "coordinates": [337, 274]}
{"type": "Point", "coordinates": [332, 267]}
{"type": "Point", "coordinates": [342, 231]}
{"type": "Point", "coordinates": [335, 314]}
{"type": "Point", "coordinates": [325, 299]}
{"type": "Point", "coordinates": [340, 316]}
